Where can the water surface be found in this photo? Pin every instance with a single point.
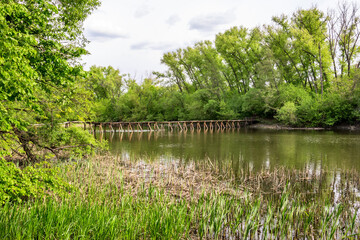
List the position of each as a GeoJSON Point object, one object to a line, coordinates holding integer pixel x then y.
{"type": "Point", "coordinates": [250, 148]}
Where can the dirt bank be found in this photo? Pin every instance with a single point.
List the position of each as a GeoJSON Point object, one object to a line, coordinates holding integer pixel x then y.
{"type": "Point", "coordinates": [277, 126]}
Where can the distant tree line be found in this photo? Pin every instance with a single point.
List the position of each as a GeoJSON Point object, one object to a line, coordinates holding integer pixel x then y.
{"type": "Point", "coordinates": [302, 69]}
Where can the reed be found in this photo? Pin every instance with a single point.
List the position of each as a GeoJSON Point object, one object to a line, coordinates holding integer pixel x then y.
{"type": "Point", "coordinates": [121, 199]}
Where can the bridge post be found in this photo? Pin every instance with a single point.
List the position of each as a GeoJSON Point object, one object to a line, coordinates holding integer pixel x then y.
{"type": "Point", "coordinates": [217, 125]}
{"type": "Point", "coordinates": [185, 126]}
{"type": "Point", "coordinates": [222, 126]}
{"type": "Point", "coordinates": [149, 125]}
{"type": "Point", "coordinates": [180, 126]}
{"type": "Point", "coordinates": [205, 127]}
{"type": "Point", "coordinates": [156, 125]}
{"type": "Point", "coordinates": [170, 127]}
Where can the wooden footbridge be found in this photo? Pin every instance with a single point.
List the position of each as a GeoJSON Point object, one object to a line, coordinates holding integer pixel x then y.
{"type": "Point", "coordinates": [198, 125]}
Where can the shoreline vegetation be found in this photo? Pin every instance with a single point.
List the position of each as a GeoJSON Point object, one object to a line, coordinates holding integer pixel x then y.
{"type": "Point", "coordinates": [117, 198]}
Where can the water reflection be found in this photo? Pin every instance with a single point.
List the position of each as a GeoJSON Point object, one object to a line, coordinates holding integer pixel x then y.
{"type": "Point", "coordinates": [255, 149]}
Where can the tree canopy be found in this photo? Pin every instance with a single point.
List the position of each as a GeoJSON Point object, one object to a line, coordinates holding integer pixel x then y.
{"type": "Point", "coordinates": [41, 42]}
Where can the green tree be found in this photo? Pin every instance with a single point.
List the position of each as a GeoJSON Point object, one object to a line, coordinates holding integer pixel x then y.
{"type": "Point", "coordinates": [40, 43]}
{"type": "Point", "coordinates": [106, 82]}
{"type": "Point", "coordinates": [175, 72]}
{"type": "Point", "coordinates": [203, 66]}
{"type": "Point", "coordinates": [344, 38]}
{"type": "Point", "coordinates": [241, 49]}
{"type": "Point", "coordinates": [279, 39]}
{"type": "Point", "coordinates": [310, 33]}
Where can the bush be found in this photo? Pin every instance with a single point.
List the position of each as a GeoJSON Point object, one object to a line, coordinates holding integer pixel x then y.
{"type": "Point", "coordinates": [71, 142]}
{"type": "Point", "coordinates": [225, 112]}
{"type": "Point", "coordinates": [233, 101]}
{"type": "Point", "coordinates": [18, 185]}
{"type": "Point", "coordinates": [291, 93]}
{"type": "Point", "coordinates": [173, 106]}
{"type": "Point", "coordinates": [253, 103]}
{"type": "Point", "coordinates": [308, 112]}
{"type": "Point", "coordinates": [336, 109]}
{"type": "Point", "coordinates": [201, 105]}
{"type": "Point", "coordinates": [287, 113]}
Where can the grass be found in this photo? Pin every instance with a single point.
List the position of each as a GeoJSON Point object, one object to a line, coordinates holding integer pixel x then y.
{"type": "Point", "coordinates": [119, 199]}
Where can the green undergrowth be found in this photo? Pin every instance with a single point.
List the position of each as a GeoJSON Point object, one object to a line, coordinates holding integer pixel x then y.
{"type": "Point", "coordinates": [154, 215]}
{"type": "Point", "coordinates": [105, 207]}
{"type": "Point", "coordinates": [33, 182]}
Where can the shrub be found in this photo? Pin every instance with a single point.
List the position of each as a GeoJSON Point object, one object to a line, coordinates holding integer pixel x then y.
{"type": "Point", "coordinates": [200, 105]}
{"type": "Point", "coordinates": [253, 103]}
{"type": "Point", "coordinates": [308, 113]}
{"type": "Point", "coordinates": [287, 113]}
{"type": "Point", "coordinates": [291, 93]}
{"type": "Point", "coordinates": [225, 112]}
{"type": "Point", "coordinates": [18, 185]}
{"type": "Point", "coordinates": [336, 109]}
{"type": "Point", "coordinates": [72, 142]}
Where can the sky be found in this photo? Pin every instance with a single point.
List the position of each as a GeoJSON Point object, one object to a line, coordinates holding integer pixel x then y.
{"type": "Point", "coordinates": [133, 35]}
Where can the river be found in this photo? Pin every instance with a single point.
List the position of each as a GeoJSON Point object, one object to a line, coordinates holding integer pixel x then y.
{"type": "Point", "coordinates": [244, 148]}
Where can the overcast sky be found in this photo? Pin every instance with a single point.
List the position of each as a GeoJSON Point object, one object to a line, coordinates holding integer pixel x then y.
{"type": "Point", "coordinates": [132, 35]}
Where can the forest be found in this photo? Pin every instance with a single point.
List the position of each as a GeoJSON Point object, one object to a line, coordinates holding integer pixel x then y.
{"type": "Point", "coordinates": [302, 70]}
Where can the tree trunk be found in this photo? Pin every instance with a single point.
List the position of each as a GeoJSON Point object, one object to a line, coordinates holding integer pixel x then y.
{"type": "Point", "coordinates": [321, 72]}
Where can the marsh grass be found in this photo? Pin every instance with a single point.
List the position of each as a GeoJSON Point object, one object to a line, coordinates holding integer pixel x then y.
{"type": "Point", "coordinates": [121, 199]}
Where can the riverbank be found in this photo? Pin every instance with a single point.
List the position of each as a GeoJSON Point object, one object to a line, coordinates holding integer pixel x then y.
{"type": "Point", "coordinates": [126, 199]}
{"type": "Point", "coordinates": [274, 125]}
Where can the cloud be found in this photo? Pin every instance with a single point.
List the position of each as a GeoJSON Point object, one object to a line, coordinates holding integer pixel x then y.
{"type": "Point", "coordinates": [142, 11]}
{"type": "Point", "coordinates": [140, 46]}
{"type": "Point", "coordinates": [173, 19]}
{"type": "Point", "coordinates": [104, 35]}
{"type": "Point", "coordinates": [210, 22]}
{"type": "Point", "coordinates": [160, 46]}
{"type": "Point", "coordinates": [104, 32]}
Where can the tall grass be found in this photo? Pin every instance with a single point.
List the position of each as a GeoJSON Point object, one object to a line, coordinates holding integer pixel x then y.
{"type": "Point", "coordinates": [120, 200]}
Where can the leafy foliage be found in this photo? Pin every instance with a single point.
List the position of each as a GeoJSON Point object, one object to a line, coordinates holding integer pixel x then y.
{"type": "Point", "coordinates": [287, 113]}
{"type": "Point", "coordinates": [40, 79]}
{"type": "Point", "coordinates": [36, 182]}
{"type": "Point", "coordinates": [71, 142]}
